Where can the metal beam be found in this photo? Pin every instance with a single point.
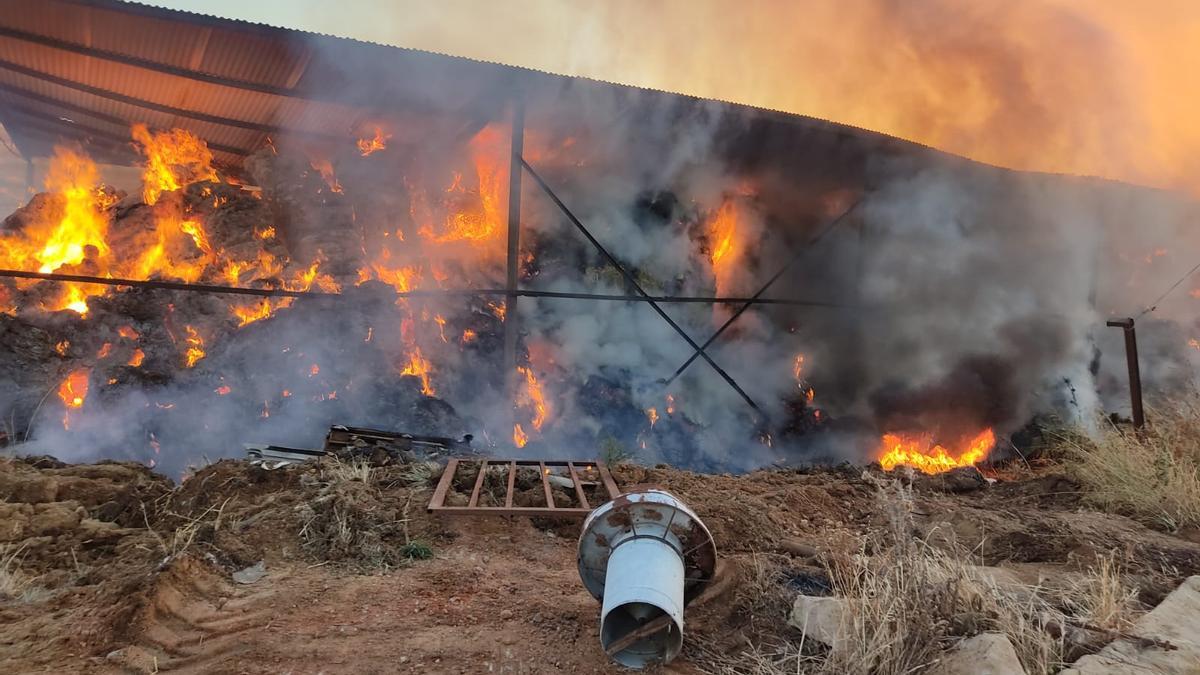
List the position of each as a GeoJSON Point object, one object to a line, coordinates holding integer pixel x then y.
{"type": "Point", "coordinates": [637, 287]}
{"type": "Point", "coordinates": [511, 326]}
{"type": "Point", "coordinates": [770, 282]}
{"type": "Point", "coordinates": [1135, 376]}
{"type": "Point", "coordinates": [424, 293]}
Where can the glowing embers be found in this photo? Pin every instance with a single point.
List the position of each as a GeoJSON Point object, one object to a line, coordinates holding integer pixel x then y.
{"type": "Point", "coordinates": [73, 392]}
{"type": "Point", "coordinates": [920, 452]}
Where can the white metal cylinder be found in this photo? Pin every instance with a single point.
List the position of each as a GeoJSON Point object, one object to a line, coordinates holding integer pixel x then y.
{"type": "Point", "coordinates": [644, 582]}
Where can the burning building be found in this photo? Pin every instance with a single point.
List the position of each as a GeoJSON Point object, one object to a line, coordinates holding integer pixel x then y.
{"type": "Point", "coordinates": [391, 238]}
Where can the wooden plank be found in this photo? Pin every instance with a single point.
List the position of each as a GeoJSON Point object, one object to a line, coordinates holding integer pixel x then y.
{"type": "Point", "coordinates": [545, 485]}
{"type": "Point", "coordinates": [478, 484]}
{"type": "Point", "coordinates": [512, 477]}
{"type": "Point", "coordinates": [583, 502]}
{"type": "Point", "coordinates": [439, 493]}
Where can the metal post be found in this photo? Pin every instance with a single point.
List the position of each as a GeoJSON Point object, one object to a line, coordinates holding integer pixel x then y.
{"type": "Point", "coordinates": [514, 239]}
{"type": "Point", "coordinates": [1135, 376]}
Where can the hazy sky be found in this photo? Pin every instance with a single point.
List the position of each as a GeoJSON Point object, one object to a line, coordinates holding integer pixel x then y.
{"type": "Point", "coordinates": [1083, 86]}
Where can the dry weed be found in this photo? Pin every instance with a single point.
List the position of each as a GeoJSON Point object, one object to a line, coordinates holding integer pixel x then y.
{"type": "Point", "coordinates": [1153, 475]}
{"type": "Point", "coordinates": [346, 471]}
{"type": "Point", "coordinates": [908, 602]}
{"type": "Point", "coordinates": [15, 585]}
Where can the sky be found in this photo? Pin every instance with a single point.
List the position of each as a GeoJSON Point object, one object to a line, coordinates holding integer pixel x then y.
{"type": "Point", "coordinates": [1100, 87]}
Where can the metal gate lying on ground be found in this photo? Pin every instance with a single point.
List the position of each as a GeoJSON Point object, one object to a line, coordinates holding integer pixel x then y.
{"type": "Point", "coordinates": [579, 475]}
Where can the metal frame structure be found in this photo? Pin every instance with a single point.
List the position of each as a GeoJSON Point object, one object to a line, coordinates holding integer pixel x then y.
{"type": "Point", "coordinates": [437, 503]}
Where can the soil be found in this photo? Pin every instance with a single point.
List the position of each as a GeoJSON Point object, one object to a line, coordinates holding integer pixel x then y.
{"type": "Point", "coordinates": [130, 574]}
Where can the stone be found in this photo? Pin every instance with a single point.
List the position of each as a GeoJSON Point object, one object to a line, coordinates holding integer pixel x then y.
{"type": "Point", "coordinates": [251, 574]}
{"type": "Point", "coordinates": [797, 548]}
{"type": "Point", "coordinates": [983, 654]}
{"type": "Point", "coordinates": [820, 618]}
{"type": "Point", "coordinates": [1176, 620]}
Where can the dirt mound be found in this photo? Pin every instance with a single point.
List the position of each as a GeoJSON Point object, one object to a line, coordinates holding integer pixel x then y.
{"type": "Point", "coordinates": [120, 571]}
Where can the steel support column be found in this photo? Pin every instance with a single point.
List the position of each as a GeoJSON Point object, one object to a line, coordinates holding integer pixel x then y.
{"type": "Point", "coordinates": [1135, 375]}
{"type": "Point", "coordinates": [514, 239]}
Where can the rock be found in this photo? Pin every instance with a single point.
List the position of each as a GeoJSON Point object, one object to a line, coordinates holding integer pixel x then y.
{"type": "Point", "coordinates": [983, 654]}
{"type": "Point", "coordinates": [797, 548]}
{"type": "Point", "coordinates": [954, 481]}
{"type": "Point", "coordinates": [820, 618]}
{"type": "Point", "coordinates": [1176, 620]}
{"type": "Point", "coordinates": [251, 574]}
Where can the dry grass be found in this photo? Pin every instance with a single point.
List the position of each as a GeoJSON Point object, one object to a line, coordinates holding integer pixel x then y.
{"type": "Point", "coordinates": [354, 470]}
{"type": "Point", "coordinates": [1153, 476]}
{"type": "Point", "coordinates": [15, 585]}
{"type": "Point", "coordinates": [908, 602]}
{"type": "Point", "coordinates": [189, 530]}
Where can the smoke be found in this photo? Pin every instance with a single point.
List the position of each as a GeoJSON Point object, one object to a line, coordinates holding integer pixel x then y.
{"type": "Point", "coordinates": [951, 295]}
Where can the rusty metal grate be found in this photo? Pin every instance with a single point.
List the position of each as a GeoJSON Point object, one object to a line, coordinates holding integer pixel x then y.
{"type": "Point", "coordinates": [581, 474]}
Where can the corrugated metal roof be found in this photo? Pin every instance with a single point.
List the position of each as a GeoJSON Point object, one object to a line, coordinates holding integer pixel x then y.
{"type": "Point", "coordinates": [85, 70]}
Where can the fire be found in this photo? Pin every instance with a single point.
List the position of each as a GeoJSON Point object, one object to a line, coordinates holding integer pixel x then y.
{"type": "Point", "coordinates": [520, 438]}
{"type": "Point", "coordinates": [195, 349]}
{"type": "Point", "coordinates": [222, 390]}
{"type": "Point", "coordinates": [724, 248]}
{"type": "Point", "coordinates": [919, 452]}
{"type": "Point", "coordinates": [798, 366]}
{"type": "Point", "coordinates": [670, 404]}
{"type": "Point", "coordinates": [533, 391]}
{"type": "Point", "coordinates": [419, 367]}
{"type": "Point", "coordinates": [128, 333]}
{"type": "Point", "coordinates": [136, 359]}
{"type": "Point", "coordinates": [105, 350]}
{"type": "Point", "coordinates": [325, 168]}
{"type": "Point", "coordinates": [174, 159]}
{"type": "Point", "coordinates": [62, 346]}
{"type": "Point", "coordinates": [367, 146]}
{"type": "Point", "coordinates": [73, 390]}
{"type": "Point", "coordinates": [652, 415]}
{"type": "Point", "coordinates": [473, 214]}
{"type": "Point", "coordinates": [72, 233]}
{"type": "Point", "coordinates": [468, 336]}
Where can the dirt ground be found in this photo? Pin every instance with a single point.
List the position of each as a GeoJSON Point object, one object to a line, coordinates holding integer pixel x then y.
{"type": "Point", "coordinates": [112, 569]}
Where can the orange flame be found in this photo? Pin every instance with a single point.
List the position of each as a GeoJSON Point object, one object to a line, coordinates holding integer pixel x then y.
{"type": "Point", "coordinates": [195, 350]}
{"type": "Point", "coordinates": [724, 247]}
{"type": "Point", "coordinates": [73, 390]}
{"type": "Point", "coordinates": [533, 391]}
{"type": "Point", "coordinates": [128, 333]}
{"type": "Point", "coordinates": [652, 415]}
{"type": "Point", "coordinates": [222, 390]}
{"type": "Point", "coordinates": [174, 159]}
{"type": "Point", "coordinates": [136, 358]}
{"type": "Point", "coordinates": [520, 438]}
{"type": "Point", "coordinates": [72, 232]}
{"type": "Point", "coordinates": [920, 452]}
{"type": "Point", "coordinates": [367, 146]}
{"type": "Point", "coordinates": [419, 367]}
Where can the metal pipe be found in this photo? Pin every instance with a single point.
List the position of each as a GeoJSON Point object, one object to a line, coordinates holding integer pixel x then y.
{"type": "Point", "coordinates": [1135, 375]}
{"type": "Point", "coordinates": [632, 557]}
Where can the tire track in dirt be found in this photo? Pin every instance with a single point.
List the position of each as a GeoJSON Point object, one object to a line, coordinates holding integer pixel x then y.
{"type": "Point", "coordinates": [193, 620]}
